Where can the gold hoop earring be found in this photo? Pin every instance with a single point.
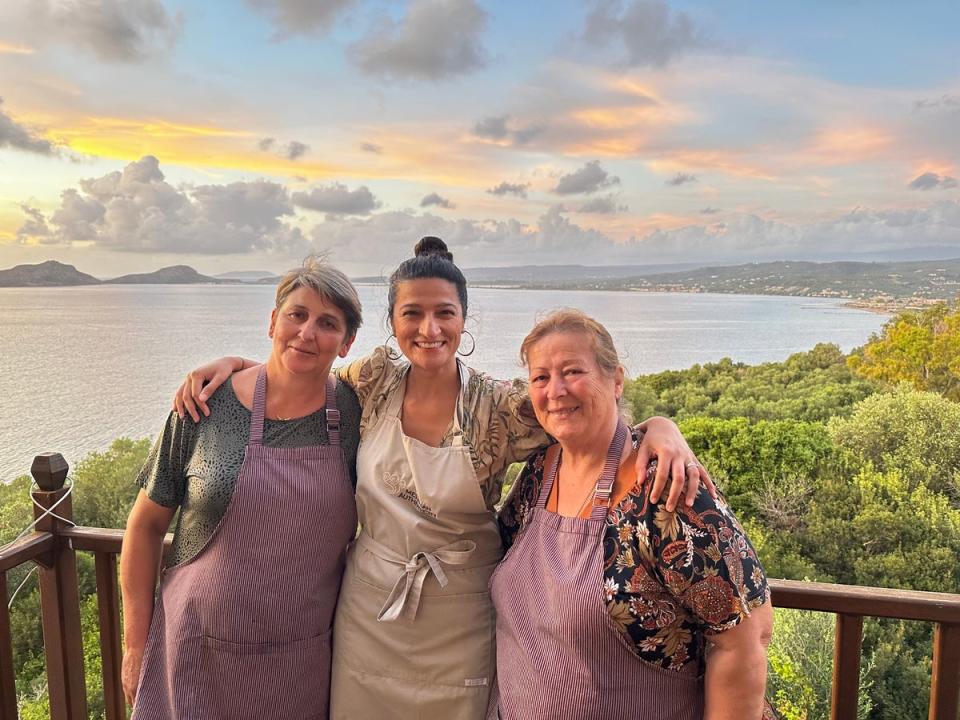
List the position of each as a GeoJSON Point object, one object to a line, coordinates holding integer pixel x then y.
{"type": "Point", "coordinates": [391, 353]}
{"type": "Point", "coordinates": [473, 346]}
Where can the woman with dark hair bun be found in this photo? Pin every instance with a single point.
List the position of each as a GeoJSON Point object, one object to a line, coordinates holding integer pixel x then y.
{"type": "Point", "coordinates": [414, 629]}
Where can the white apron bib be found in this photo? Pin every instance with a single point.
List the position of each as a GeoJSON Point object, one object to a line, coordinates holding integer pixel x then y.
{"type": "Point", "coordinates": [414, 629]}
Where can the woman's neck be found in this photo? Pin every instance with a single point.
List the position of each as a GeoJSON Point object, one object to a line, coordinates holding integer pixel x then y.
{"type": "Point", "coordinates": [583, 455]}
{"type": "Point", "coordinates": [294, 394]}
{"type": "Point", "coordinates": [425, 384]}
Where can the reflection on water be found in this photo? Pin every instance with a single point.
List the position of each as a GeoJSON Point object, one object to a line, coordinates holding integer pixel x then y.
{"type": "Point", "coordinates": [81, 366]}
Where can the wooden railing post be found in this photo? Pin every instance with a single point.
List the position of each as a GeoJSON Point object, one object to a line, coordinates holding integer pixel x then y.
{"type": "Point", "coordinates": [846, 667]}
{"type": "Point", "coordinates": [945, 680]}
{"type": "Point", "coordinates": [59, 595]}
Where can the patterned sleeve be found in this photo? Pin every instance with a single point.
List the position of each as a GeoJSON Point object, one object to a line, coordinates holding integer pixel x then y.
{"type": "Point", "coordinates": [523, 496]}
{"type": "Point", "coordinates": [163, 475]}
{"type": "Point", "coordinates": [371, 377]}
{"type": "Point", "coordinates": [707, 562]}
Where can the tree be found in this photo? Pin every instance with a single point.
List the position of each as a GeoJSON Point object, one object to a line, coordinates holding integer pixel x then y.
{"type": "Point", "coordinates": [921, 348]}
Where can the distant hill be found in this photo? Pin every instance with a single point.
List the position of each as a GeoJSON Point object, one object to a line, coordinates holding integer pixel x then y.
{"type": "Point", "coordinates": [173, 275]}
{"type": "Point", "coordinates": [875, 283]}
{"type": "Point", "coordinates": [522, 275]}
{"type": "Point", "coordinates": [47, 274]}
{"type": "Point", "coordinates": [245, 275]}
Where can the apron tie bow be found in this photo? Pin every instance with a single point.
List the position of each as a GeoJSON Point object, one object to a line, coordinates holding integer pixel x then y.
{"type": "Point", "coordinates": [404, 598]}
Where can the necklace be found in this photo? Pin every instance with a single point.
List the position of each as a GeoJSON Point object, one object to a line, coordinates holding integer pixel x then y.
{"type": "Point", "coordinates": [590, 493]}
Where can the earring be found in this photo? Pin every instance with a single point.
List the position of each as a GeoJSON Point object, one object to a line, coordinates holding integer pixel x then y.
{"type": "Point", "coordinates": [473, 345]}
{"type": "Point", "coordinates": [391, 353]}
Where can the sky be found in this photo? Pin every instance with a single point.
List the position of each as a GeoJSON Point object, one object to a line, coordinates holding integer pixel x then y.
{"type": "Point", "coordinates": [245, 134]}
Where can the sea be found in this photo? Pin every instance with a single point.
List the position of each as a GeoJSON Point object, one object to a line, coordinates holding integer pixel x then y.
{"type": "Point", "coordinates": [81, 366]}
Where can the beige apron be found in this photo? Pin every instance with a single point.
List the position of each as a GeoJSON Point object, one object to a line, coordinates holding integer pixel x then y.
{"type": "Point", "coordinates": [414, 629]}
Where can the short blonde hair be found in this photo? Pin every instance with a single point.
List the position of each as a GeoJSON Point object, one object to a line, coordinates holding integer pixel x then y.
{"type": "Point", "coordinates": [574, 321]}
{"type": "Point", "coordinates": [331, 284]}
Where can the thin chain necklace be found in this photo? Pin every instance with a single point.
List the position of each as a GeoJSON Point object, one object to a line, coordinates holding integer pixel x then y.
{"type": "Point", "coordinates": [589, 494]}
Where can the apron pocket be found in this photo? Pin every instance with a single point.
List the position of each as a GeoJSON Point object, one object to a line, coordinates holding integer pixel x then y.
{"type": "Point", "coordinates": [265, 680]}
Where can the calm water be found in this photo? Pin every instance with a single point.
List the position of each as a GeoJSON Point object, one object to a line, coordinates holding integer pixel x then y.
{"type": "Point", "coordinates": [82, 366]}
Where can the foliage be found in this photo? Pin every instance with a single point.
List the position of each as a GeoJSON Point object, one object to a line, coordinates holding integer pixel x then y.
{"type": "Point", "coordinates": [915, 433]}
{"type": "Point", "coordinates": [104, 490]}
{"type": "Point", "coordinates": [760, 461]}
{"type": "Point", "coordinates": [920, 348]}
{"type": "Point", "coordinates": [810, 386]}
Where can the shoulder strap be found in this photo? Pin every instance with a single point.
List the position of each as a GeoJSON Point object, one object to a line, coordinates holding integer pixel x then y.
{"type": "Point", "coordinates": [259, 407]}
{"type": "Point", "coordinates": [333, 415]}
{"type": "Point", "coordinates": [601, 495]}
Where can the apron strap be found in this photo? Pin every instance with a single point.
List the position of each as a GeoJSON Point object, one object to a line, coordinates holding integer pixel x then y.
{"type": "Point", "coordinates": [333, 415]}
{"type": "Point", "coordinates": [259, 406]}
{"type": "Point", "coordinates": [552, 459]}
{"type": "Point", "coordinates": [601, 496]}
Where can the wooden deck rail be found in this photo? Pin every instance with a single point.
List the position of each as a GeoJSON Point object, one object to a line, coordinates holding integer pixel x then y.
{"type": "Point", "coordinates": [54, 544]}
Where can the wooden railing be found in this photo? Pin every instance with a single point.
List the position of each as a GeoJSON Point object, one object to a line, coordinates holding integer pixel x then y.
{"type": "Point", "coordinates": [54, 543]}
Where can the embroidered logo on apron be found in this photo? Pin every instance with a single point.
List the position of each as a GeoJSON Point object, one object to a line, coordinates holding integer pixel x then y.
{"type": "Point", "coordinates": [395, 487]}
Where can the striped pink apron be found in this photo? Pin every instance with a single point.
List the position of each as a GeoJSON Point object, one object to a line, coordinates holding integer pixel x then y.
{"type": "Point", "coordinates": [243, 629]}
{"type": "Point", "coordinates": [559, 653]}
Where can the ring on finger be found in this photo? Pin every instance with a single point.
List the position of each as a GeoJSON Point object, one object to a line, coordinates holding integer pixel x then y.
{"type": "Point", "coordinates": [692, 463]}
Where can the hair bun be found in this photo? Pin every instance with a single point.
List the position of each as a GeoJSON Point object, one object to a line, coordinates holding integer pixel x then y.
{"type": "Point", "coordinates": [431, 245]}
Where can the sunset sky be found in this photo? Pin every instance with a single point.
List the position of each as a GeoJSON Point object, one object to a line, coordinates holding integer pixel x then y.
{"type": "Point", "coordinates": [243, 134]}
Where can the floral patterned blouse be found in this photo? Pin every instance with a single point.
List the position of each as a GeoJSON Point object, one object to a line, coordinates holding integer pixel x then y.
{"type": "Point", "coordinates": [495, 416]}
{"type": "Point", "coordinates": [670, 578]}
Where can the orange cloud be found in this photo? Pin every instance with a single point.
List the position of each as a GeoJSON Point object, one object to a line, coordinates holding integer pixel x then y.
{"type": "Point", "coordinates": [11, 49]}
{"type": "Point", "coordinates": [842, 146]}
{"type": "Point", "coordinates": [727, 163]}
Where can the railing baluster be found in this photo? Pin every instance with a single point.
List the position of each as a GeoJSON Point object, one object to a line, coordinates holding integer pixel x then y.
{"type": "Point", "coordinates": [108, 602]}
{"type": "Point", "coordinates": [945, 682]}
{"type": "Point", "coordinates": [846, 667]}
{"type": "Point", "coordinates": [8, 688]}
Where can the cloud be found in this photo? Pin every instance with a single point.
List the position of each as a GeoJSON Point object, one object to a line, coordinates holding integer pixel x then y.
{"type": "Point", "coordinates": [505, 188]}
{"type": "Point", "coordinates": [602, 206]}
{"type": "Point", "coordinates": [34, 228]}
{"type": "Point", "coordinates": [13, 49]}
{"type": "Point", "coordinates": [709, 210]}
{"type": "Point", "coordinates": [499, 128]}
{"type": "Point", "coordinates": [136, 210]}
{"type": "Point", "coordinates": [651, 34]}
{"type": "Point", "coordinates": [494, 128]}
{"type": "Point", "coordinates": [295, 150]}
{"type": "Point", "coordinates": [336, 200]}
{"type": "Point", "coordinates": [945, 101]}
{"type": "Point", "coordinates": [124, 31]}
{"type": "Point", "coordinates": [932, 181]}
{"type": "Point", "coordinates": [435, 199]}
{"type": "Point", "coordinates": [590, 178]}
{"type": "Point", "coordinates": [436, 40]}
{"type": "Point", "coordinates": [681, 178]}
{"type": "Point", "coordinates": [301, 17]}
{"type": "Point", "coordinates": [16, 136]}
{"type": "Point", "coordinates": [372, 148]}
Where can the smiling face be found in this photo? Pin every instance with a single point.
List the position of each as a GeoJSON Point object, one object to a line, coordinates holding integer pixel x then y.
{"type": "Point", "coordinates": [574, 399]}
{"type": "Point", "coordinates": [428, 322]}
{"type": "Point", "coordinates": [308, 333]}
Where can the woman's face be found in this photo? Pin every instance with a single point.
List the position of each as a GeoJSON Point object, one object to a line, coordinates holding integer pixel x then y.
{"type": "Point", "coordinates": [574, 399]}
{"type": "Point", "coordinates": [308, 332]}
{"type": "Point", "coordinates": [428, 322]}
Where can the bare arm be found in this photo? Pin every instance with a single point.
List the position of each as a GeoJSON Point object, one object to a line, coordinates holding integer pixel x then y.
{"type": "Point", "coordinates": [663, 440]}
{"type": "Point", "coordinates": [193, 394]}
{"type": "Point", "coordinates": [139, 564]}
{"type": "Point", "coordinates": [737, 668]}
